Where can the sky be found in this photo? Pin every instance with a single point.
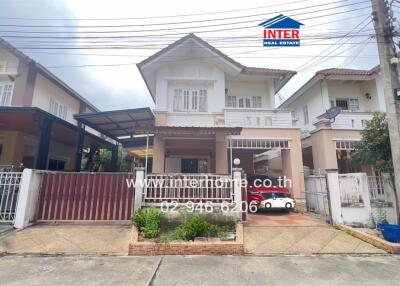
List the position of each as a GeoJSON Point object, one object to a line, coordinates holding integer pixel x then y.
{"type": "Point", "coordinates": [93, 45]}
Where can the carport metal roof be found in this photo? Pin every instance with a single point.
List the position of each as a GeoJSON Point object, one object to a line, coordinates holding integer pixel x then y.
{"type": "Point", "coordinates": [118, 123]}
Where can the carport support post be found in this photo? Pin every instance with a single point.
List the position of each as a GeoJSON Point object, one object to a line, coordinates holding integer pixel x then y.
{"type": "Point", "coordinates": [79, 147]}
{"type": "Point", "coordinates": [44, 144]}
{"type": "Point", "coordinates": [237, 191]}
{"type": "Point", "coordinates": [139, 188]}
{"type": "Point", "coordinates": [114, 158]}
{"type": "Point", "coordinates": [335, 204]}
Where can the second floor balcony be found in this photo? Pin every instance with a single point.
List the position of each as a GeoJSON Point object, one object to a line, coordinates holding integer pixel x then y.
{"type": "Point", "coordinates": [354, 120]}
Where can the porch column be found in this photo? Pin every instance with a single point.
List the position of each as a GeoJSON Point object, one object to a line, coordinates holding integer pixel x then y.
{"type": "Point", "coordinates": [292, 166]}
{"type": "Point", "coordinates": [44, 144]}
{"type": "Point", "coordinates": [158, 154]}
{"type": "Point", "coordinates": [79, 147]}
{"type": "Point", "coordinates": [114, 158]}
{"type": "Point", "coordinates": [221, 155]}
{"type": "Point", "coordinates": [323, 147]}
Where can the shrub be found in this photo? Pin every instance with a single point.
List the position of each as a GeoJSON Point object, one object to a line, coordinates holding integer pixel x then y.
{"type": "Point", "coordinates": [196, 227]}
{"type": "Point", "coordinates": [149, 221]}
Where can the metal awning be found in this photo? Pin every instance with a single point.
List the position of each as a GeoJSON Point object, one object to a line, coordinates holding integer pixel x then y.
{"type": "Point", "coordinates": [118, 123]}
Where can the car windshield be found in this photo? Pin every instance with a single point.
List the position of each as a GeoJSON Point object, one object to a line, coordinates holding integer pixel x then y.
{"type": "Point", "coordinates": [273, 195]}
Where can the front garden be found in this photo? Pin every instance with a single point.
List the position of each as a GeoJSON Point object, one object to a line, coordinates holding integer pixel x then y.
{"type": "Point", "coordinates": [155, 233]}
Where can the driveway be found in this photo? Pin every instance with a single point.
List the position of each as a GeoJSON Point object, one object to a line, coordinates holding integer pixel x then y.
{"type": "Point", "coordinates": [200, 270]}
{"type": "Point", "coordinates": [68, 239]}
{"type": "Point", "coordinates": [292, 233]}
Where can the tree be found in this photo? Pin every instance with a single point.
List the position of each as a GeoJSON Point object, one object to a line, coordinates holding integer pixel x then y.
{"type": "Point", "coordinates": [374, 147]}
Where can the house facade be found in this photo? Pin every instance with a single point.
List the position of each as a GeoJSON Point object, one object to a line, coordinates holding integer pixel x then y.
{"type": "Point", "coordinates": [210, 109]}
{"type": "Point", "coordinates": [37, 127]}
{"type": "Point", "coordinates": [328, 143]}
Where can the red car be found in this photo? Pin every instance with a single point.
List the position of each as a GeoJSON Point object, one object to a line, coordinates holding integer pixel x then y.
{"type": "Point", "coordinates": [261, 188]}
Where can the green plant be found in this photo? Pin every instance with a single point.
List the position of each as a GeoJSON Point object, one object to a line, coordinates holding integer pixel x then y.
{"type": "Point", "coordinates": [196, 226]}
{"type": "Point", "coordinates": [149, 222]}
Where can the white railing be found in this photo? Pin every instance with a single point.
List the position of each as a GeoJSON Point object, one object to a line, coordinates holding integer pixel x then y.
{"type": "Point", "coordinates": [376, 189]}
{"type": "Point", "coordinates": [182, 188]}
{"type": "Point", "coordinates": [9, 189]}
{"type": "Point", "coordinates": [351, 120]}
{"type": "Point", "coordinates": [190, 119]}
{"type": "Point", "coordinates": [258, 118]}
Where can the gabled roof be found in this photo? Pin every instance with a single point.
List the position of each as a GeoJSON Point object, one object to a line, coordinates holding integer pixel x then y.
{"type": "Point", "coordinates": [281, 22]}
{"type": "Point", "coordinates": [45, 72]}
{"type": "Point", "coordinates": [332, 73]}
{"type": "Point", "coordinates": [243, 69]}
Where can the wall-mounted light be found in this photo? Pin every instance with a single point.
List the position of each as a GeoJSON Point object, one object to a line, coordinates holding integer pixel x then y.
{"type": "Point", "coordinates": [367, 95]}
{"type": "Point", "coordinates": [226, 91]}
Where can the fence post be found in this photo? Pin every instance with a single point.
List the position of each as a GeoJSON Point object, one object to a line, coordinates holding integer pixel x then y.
{"type": "Point", "coordinates": [335, 203]}
{"type": "Point", "coordinates": [27, 198]}
{"type": "Point", "coordinates": [237, 190]}
{"type": "Point", "coordinates": [139, 187]}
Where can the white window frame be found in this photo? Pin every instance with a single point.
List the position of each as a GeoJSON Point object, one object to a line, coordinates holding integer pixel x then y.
{"type": "Point", "coordinates": [58, 109]}
{"type": "Point", "coordinates": [190, 100]}
{"type": "Point", "coordinates": [256, 101]}
{"type": "Point", "coordinates": [6, 93]}
{"type": "Point", "coordinates": [231, 101]}
{"type": "Point", "coordinates": [244, 102]}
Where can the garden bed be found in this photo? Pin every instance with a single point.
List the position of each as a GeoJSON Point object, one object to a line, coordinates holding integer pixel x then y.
{"type": "Point", "coordinates": [201, 247]}
{"type": "Point", "coordinates": [154, 234]}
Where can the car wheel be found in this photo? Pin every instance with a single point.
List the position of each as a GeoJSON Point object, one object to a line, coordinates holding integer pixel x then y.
{"type": "Point", "coordinates": [268, 205]}
{"type": "Point", "coordinates": [288, 205]}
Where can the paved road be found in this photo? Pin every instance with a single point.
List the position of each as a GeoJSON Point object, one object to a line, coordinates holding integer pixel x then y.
{"type": "Point", "coordinates": [200, 270]}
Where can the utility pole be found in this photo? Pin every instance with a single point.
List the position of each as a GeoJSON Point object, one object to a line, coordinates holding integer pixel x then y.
{"type": "Point", "coordinates": [387, 54]}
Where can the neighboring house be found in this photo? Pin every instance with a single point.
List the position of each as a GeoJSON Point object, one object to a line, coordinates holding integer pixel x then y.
{"type": "Point", "coordinates": [37, 127]}
{"type": "Point", "coordinates": [210, 109]}
{"type": "Point", "coordinates": [326, 144]}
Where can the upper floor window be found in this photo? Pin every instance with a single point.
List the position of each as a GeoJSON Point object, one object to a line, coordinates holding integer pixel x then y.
{"type": "Point", "coordinates": [305, 114]}
{"type": "Point", "coordinates": [256, 101]}
{"type": "Point", "coordinates": [5, 94]}
{"type": "Point", "coordinates": [190, 100]}
{"type": "Point", "coordinates": [230, 101]}
{"type": "Point", "coordinates": [244, 102]}
{"type": "Point", "coordinates": [348, 104]}
{"type": "Point", "coordinates": [58, 109]}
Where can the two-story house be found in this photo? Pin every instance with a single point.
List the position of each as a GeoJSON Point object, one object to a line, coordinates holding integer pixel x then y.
{"type": "Point", "coordinates": [37, 127]}
{"type": "Point", "coordinates": [210, 109]}
{"type": "Point", "coordinates": [328, 144]}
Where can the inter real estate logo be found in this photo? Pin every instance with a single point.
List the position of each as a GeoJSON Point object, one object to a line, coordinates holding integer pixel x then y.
{"type": "Point", "coordinates": [281, 31]}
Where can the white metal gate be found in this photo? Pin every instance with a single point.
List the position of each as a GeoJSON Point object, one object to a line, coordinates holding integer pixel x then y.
{"type": "Point", "coordinates": [317, 197]}
{"type": "Point", "coordinates": [9, 189]}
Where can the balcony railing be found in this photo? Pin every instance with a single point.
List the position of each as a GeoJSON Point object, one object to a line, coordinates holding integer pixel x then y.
{"type": "Point", "coordinates": [258, 118]}
{"type": "Point", "coordinates": [351, 120]}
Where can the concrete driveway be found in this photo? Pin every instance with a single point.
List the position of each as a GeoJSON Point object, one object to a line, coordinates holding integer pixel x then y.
{"type": "Point", "coordinates": [68, 239]}
{"type": "Point", "coordinates": [292, 233]}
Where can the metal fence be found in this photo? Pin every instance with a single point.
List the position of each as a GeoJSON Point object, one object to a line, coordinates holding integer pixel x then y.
{"type": "Point", "coordinates": [9, 189]}
{"type": "Point", "coordinates": [376, 189]}
{"type": "Point", "coordinates": [182, 188]}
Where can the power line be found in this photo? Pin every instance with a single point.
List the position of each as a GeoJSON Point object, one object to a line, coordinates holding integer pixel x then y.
{"type": "Point", "coordinates": [153, 17]}
{"type": "Point", "coordinates": [182, 22]}
{"type": "Point", "coordinates": [180, 33]}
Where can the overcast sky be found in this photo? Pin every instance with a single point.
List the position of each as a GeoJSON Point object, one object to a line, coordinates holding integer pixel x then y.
{"type": "Point", "coordinates": [118, 84]}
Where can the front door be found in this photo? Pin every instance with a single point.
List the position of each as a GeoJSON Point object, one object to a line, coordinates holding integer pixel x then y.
{"type": "Point", "coordinates": [189, 166]}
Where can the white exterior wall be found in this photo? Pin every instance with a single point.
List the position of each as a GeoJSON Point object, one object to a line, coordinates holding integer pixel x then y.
{"type": "Point", "coordinates": [44, 90]}
{"type": "Point", "coordinates": [315, 101]}
{"type": "Point", "coordinates": [243, 89]}
{"type": "Point", "coordinates": [340, 89]}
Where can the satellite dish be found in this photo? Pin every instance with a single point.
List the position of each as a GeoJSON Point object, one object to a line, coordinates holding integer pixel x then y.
{"type": "Point", "coordinates": [332, 112]}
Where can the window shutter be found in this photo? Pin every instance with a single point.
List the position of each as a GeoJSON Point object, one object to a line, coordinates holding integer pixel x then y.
{"type": "Point", "coordinates": [177, 100]}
